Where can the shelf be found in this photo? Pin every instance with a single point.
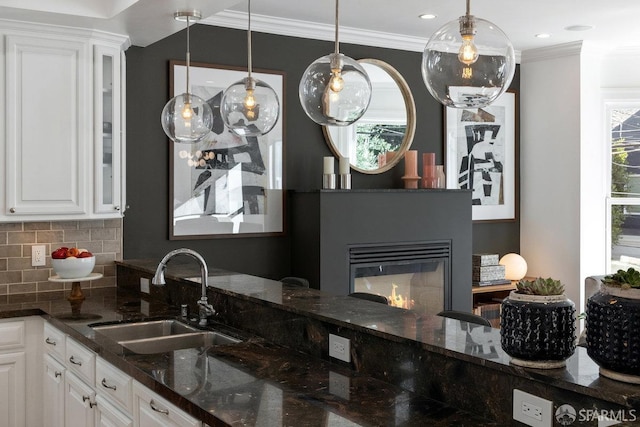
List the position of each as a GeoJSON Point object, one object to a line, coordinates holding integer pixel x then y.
{"type": "Point", "coordinates": [492, 288]}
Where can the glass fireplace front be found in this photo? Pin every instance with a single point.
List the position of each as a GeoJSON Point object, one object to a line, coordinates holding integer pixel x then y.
{"type": "Point", "coordinates": [410, 276]}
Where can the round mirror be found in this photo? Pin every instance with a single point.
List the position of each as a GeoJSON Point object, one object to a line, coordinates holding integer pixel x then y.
{"type": "Point", "coordinates": [379, 139]}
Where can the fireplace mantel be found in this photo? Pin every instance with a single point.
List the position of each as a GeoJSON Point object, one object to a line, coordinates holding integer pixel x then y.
{"type": "Point", "coordinates": [326, 223]}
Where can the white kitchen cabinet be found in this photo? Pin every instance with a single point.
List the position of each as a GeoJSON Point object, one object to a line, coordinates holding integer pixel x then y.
{"type": "Point", "coordinates": [12, 388]}
{"type": "Point", "coordinates": [54, 391]}
{"type": "Point", "coordinates": [151, 410]}
{"type": "Point", "coordinates": [79, 402]}
{"type": "Point", "coordinates": [20, 381]}
{"type": "Point", "coordinates": [63, 106]}
{"type": "Point", "coordinates": [109, 415]}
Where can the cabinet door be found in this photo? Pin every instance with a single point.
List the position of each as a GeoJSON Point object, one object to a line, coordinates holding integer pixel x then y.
{"type": "Point", "coordinates": [151, 410]}
{"type": "Point", "coordinates": [53, 392]}
{"type": "Point", "coordinates": [12, 389]}
{"type": "Point", "coordinates": [79, 402]}
{"type": "Point", "coordinates": [48, 126]}
{"type": "Point", "coordinates": [109, 416]}
{"type": "Point", "coordinates": [107, 130]}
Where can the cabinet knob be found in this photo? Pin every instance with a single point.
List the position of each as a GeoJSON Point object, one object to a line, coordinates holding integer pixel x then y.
{"type": "Point", "coordinates": [49, 341]}
{"type": "Point", "coordinates": [116, 208]}
{"type": "Point", "coordinates": [58, 374]}
{"type": "Point", "coordinates": [75, 362]}
{"type": "Point", "coordinates": [91, 404]}
{"type": "Point", "coordinates": [12, 210]}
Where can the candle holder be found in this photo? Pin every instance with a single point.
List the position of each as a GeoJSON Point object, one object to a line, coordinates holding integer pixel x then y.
{"type": "Point", "coordinates": [329, 181]}
{"type": "Point", "coordinates": [345, 181]}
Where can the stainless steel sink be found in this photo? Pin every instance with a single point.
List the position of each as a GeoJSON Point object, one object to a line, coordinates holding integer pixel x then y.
{"type": "Point", "coordinates": [160, 336]}
{"type": "Point", "coordinates": [178, 342]}
{"type": "Point", "coordinates": [149, 329]}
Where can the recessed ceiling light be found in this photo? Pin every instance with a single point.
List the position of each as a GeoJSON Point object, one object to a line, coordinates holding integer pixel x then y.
{"type": "Point", "coordinates": [543, 35]}
{"type": "Point", "coordinates": [428, 16]}
{"type": "Point", "coordinates": [579, 27]}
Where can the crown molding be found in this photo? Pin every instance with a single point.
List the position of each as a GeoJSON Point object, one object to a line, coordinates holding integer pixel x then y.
{"type": "Point", "coordinates": [552, 52]}
{"type": "Point", "coordinates": [314, 30]}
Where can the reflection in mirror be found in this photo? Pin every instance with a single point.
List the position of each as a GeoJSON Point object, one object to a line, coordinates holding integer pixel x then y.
{"type": "Point", "coordinates": [377, 141]}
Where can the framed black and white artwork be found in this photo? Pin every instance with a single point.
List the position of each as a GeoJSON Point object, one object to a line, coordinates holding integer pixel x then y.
{"type": "Point", "coordinates": [226, 185]}
{"type": "Point", "coordinates": [480, 155]}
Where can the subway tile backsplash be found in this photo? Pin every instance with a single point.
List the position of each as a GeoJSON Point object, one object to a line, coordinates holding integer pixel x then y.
{"type": "Point", "coordinates": [102, 237]}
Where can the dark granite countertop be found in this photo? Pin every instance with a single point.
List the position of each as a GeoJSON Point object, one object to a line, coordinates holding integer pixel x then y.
{"type": "Point", "coordinates": [252, 383]}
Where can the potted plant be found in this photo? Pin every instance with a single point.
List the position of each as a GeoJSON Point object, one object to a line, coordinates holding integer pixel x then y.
{"type": "Point", "coordinates": [537, 324]}
{"type": "Point", "coordinates": [612, 325]}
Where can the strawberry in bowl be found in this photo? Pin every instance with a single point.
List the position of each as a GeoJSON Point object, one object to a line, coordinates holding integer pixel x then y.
{"type": "Point", "coordinates": [72, 263]}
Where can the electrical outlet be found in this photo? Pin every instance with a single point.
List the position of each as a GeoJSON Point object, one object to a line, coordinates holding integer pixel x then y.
{"type": "Point", "coordinates": [532, 410]}
{"type": "Point", "coordinates": [144, 285]}
{"type": "Point", "coordinates": [339, 348]}
{"type": "Point", "coordinates": [38, 255]}
{"type": "Point", "coordinates": [339, 385]}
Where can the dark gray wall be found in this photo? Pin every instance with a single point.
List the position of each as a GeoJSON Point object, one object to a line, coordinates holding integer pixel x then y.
{"type": "Point", "coordinates": [146, 222]}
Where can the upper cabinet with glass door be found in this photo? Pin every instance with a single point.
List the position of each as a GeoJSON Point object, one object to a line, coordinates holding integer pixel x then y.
{"type": "Point", "coordinates": [63, 118]}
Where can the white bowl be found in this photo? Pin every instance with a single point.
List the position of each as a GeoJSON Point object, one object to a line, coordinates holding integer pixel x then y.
{"type": "Point", "coordinates": [73, 268]}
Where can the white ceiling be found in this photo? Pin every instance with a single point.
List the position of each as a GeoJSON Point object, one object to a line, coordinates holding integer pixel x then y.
{"type": "Point", "coordinates": [377, 22]}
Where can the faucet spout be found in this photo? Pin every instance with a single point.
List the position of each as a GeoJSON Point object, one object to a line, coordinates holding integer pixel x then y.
{"type": "Point", "coordinates": [158, 279]}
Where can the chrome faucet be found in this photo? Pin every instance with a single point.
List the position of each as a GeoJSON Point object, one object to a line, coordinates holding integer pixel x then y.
{"type": "Point", "coordinates": [205, 309]}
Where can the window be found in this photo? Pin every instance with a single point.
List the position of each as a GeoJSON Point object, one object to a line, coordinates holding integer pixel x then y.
{"type": "Point", "coordinates": [623, 203]}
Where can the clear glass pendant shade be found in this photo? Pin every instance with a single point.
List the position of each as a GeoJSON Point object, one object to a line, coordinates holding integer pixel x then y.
{"type": "Point", "coordinates": [250, 107]}
{"type": "Point", "coordinates": [468, 63]}
{"type": "Point", "coordinates": [187, 118]}
{"type": "Point", "coordinates": [335, 90]}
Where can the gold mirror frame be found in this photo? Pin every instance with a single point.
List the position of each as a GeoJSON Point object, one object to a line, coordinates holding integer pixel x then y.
{"type": "Point", "coordinates": [410, 111]}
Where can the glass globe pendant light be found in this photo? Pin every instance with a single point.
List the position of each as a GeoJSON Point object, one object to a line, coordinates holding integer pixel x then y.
{"type": "Point", "coordinates": [468, 62]}
{"type": "Point", "coordinates": [187, 118]}
{"type": "Point", "coordinates": [250, 107]}
{"type": "Point", "coordinates": [335, 90]}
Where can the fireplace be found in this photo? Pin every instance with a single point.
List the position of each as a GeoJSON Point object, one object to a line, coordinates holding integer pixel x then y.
{"type": "Point", "coordinates": [411, 276]}
{"type": "Point", "coordinates": [339, 236]}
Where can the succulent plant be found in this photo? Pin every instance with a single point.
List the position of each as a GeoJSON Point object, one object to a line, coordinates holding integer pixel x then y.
{"type": "Point", "coordinates": [540, 286]}
{"type": "Point", "coordinates": [623, 279]}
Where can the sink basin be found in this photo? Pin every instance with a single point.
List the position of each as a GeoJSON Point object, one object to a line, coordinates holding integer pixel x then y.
{"type": "Point", "coordinates": [178, 342]}
{"type": "Point", "coordinates": [160, 336]}
{"type": "Point", "coordinates": [139, 330]}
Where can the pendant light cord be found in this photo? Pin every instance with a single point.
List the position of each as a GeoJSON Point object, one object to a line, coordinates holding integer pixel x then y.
{"type": "Point", "coordinates": [468, 7]}
{"type": "Point", "coordinates": [188, 55]}
{"type": "Point", "coordinates": [249, 39]}
{"type": "Point", "coordinates": [337, 42]}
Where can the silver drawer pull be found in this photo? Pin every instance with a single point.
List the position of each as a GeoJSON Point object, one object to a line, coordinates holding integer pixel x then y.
{"type": "Point", "coordinates": [58, 374]}
{"type": "Point", "coordinates": [91, 404]}
{"type": "Point", "coordinates": [105, 385]}
{"type": "Point", "coordinates": [74, 361]}
{"type": "Point", "coordinates": [50, 341]}
{"type": "Point", "coordinates": [153, 406]}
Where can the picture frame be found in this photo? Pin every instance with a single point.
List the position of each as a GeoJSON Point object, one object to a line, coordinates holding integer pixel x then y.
{"type": "Point", "coordinates": [480, 155]}
{"type": "Point", "coordinates": [226, 185]}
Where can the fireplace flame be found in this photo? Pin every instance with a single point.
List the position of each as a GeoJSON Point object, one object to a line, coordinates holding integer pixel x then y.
{"type": "Point", "coordinates": [397, 300]}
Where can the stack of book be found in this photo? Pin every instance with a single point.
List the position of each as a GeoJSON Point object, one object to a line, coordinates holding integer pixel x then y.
{"type": "Point", "coordinates": [487, 270]}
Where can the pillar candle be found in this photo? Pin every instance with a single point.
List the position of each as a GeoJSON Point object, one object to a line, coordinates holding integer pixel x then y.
{"type": "Point", "coordinates": [411, 163]}
{"type": "Point", "coordinates": [344, 165]}
{"type": "Point", "coordinates": [328, 165]}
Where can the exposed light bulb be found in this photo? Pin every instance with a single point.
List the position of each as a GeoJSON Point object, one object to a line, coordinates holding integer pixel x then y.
{"type": "Point", "coordinates": [337, 82]}
{"type": "Point", "coordinates": [249, 99]}
{"type": "Point", "coordinates": [187, 113]}
{"type": "Point", "coordinates": [468, 53]}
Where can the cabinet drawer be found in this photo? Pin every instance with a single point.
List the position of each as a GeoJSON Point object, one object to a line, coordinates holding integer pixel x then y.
{"type": "Point", "coordinates": [54, 342]}
{"type": "Point", "coordinates": [81, 360]}
{"type": "Point", "coordinates": [112, 381]}
{"type": "Point", "coordinates": [151, 409]}
{"type": "Point", "coordinates": [12, 335]}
